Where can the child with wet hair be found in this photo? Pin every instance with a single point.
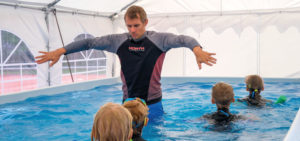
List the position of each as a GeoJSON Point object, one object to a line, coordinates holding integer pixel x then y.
{"type": "Point", "coordinates": [222, 95]}
{"type": "Point", "coordinates": [112, 122]}
{"type": "Point", "coordinates": [139, 111]}
{"type": "Point", "coordinates": [254, 84]}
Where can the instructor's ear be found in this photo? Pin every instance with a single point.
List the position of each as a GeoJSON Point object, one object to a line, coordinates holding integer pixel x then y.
{"type": "Point", "coordinates": [146, 22]}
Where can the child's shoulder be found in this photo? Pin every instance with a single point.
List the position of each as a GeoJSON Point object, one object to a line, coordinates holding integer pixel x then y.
{"type": "Point", "coordinates": [208, 116]}
{"type": "Point", "coordinates": [218, 117]}
{"type": "Point", "coordinates": [205, 118]}
{"type": "Point", "coordinates": [263, 102]}
{"type": "Point", "coordinates": [236, 117]}
{"type": "Point", "coordinates": [255, 102]}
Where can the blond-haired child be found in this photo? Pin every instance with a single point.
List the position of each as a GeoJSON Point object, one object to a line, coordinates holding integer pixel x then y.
{"type": "Point", "coordinates": [112, 122]}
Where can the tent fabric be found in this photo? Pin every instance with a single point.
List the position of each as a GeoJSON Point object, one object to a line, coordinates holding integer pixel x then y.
{"type": "Point", "coordinates": [258, 39]}
{"type": "Point", "coordinates": [173, 6]}
{"type": "Point", "coordinates": [72, 26]}
{"type": "Point", "coordinates": [249, 36]}
{"type": "Point", "coordinates": [29, 26]}
{"type": "Point", "coordinates": [282, 21]}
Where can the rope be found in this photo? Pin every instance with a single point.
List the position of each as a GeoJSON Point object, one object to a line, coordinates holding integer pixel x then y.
{"type": "Point", "coordinates": [62, 41]}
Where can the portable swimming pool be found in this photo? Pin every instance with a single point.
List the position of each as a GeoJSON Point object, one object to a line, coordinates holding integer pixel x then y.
{"type": "Point", "coordinates": [69, 115]}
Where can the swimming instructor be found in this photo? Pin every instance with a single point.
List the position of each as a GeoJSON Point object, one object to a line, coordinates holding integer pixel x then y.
{"type": "Point", "coordinates": [141, 55]}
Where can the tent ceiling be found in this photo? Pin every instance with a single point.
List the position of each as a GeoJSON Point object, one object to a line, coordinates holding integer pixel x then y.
{"type": "Point", "coordinates": [101, 6]}
{"type": "Point", "coordinates": [171, 6]}
{"type": "Point", "coordinates": [191, 6]}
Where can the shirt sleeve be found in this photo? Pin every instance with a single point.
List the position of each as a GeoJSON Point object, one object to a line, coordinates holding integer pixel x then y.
{"type": "Point", "coordinates": [174, 41]}
{"type": "Point", "coordinates": [109, 43]}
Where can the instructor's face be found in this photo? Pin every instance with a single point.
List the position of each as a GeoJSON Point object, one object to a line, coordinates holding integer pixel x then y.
{"type": "Point", "coordinates": [136, 27]}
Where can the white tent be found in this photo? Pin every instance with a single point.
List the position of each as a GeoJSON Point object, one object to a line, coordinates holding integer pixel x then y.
{"type": "Point", "coordinates": [249, 36]}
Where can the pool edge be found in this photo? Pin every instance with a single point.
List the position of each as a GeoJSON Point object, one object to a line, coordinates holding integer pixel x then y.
{"type": "Point", "coordinates": [15, 97]}
{"type": "Point", "coordinates": [293, 133]}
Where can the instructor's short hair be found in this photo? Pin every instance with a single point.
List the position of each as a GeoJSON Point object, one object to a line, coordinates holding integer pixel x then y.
{"type": "Point", "coordinates": [135, 12]}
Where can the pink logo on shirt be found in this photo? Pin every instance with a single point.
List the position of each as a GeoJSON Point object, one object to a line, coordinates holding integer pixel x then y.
{"type": "Point", "coordinates": [136, 48]}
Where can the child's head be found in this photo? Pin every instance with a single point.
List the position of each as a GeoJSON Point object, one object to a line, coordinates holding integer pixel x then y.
{"type": "Point", "coordinates": [112, 122]}
{"type": "Point", "coordinates": [139, 111]}
{"type": "Point", "coordinates": [255, 85]}
{"type": "Point", "coordinates": [254, 82]}
{"type": "Point", "coordinates": [222, 95]}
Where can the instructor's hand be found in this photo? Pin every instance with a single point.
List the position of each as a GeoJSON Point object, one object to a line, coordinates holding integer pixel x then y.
{"type": "Point", "coordinates": [204, 57]}
{"type": "Point", "coordinates": [52, 56]}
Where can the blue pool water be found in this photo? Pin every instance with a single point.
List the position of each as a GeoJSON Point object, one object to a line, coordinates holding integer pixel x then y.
{"type": "Point", "coordinates": [69, 116]}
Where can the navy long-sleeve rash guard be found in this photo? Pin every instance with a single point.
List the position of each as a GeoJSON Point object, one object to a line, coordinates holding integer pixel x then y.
{"type": "Point", "coordinates": [141, 59]}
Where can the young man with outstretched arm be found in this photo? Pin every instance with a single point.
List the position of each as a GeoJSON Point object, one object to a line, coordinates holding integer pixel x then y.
{"type": "Point", "coordinates": [141, 55]}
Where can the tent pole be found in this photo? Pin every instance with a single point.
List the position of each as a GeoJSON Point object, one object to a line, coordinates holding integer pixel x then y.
{"type": "Point", "coordinates": [117, 13]}
{"type": "Point", "coordinates": [48, 44]}
{"type": "Point", "coordinates": [42, 7]}
{"type": "Point", "coordinates": [52, 3]}
{"type": "Point", "coordinates": [258, 53]}
{"type": "Point", "coordinates": [221, 7]}
{"type": "Point", "coordinates": [47, 9]}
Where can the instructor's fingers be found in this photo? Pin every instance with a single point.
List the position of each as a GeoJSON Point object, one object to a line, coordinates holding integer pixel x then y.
{"type": "Point", "coordinates": [44, 52]}
{"type": "Point", "coordinates": [212, 58]}
{"type": "Point", "coordinates": [41, 61]}
{"type": "Point", "coordinates": [40, 56]}
{"type": "Point", "coordinates": [208, 63]}
{"type": "Point", "coordinates": [199, 66]}
{"type": "Point", "coordinates": [53, 62]}
{"type": "Point", "coordinates": [212, 61]}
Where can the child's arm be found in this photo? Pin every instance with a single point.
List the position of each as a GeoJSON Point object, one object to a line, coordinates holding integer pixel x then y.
{"type": "Point", "coordinates": [248, 116]}
{"type": "Point", "coordinates": [206, 117]}
{"type": "Point", "coordinates": [240, 101]}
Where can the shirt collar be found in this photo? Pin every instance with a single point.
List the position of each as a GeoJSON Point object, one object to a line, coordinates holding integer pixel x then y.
{"type": "Point", "coordinates": [139, 39]}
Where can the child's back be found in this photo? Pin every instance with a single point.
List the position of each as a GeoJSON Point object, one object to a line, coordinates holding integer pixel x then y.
{"type": "Point", "coordinates": [222, 96]}
{"type": "Point", "coordinates": [222, 116]}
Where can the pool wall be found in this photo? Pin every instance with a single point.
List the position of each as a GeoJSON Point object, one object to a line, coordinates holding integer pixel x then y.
{"type": "Point", "coordinates": [14, 97]}
{"type": "Point", "coordinates": [293, 133]}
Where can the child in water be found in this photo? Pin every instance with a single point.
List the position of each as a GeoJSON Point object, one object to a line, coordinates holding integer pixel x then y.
{"type": "Point", "coordinates": [139, 111]}
{"type": "Point", "coordinates": [254, 84]}
{"type": "Point", "coordinates": [112, 122]}
{"type": "Point", "coordinates": [222, 95]}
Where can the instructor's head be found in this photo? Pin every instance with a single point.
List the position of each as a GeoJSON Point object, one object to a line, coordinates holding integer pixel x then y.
{"type": "Point", "coordinates": [136, 21]}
